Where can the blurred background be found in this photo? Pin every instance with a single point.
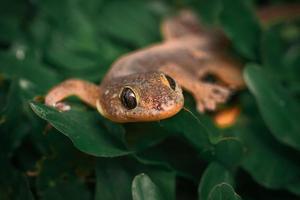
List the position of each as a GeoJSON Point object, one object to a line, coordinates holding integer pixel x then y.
{"type": "Point", "coordinates": [45, 154]}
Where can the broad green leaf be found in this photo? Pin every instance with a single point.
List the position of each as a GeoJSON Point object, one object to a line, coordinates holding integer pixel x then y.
{"type": "Point", "coordinates": [85, 130]}
{"type": "Point", "coordinates": [191, 128]}
{"type": "Point", "coordinates": [273, 49]}
{"type": "Point", "coordinates": [278, 42]}
{"type": "Point", "coordinates": [241, 26]}
{"type": "Point", "coordinates": [214, 174]}
{"type": "Point", "coordinates": [264, 152]}
{"type": "Point", "coordinates": [209, 11]}
{"type": "Point", "coordinates": [229, 151]}
{"type": "Point", "coordinates": [113, 180]}
{"type": "Point", "coordinates": [212, 130]}
{"type": "Point", "coordinates": [280, 111]}
{"type": "Point", "coordinates": [280, 54]}
{"type": "Point", "coordinates": [111, 173]}
{"type": "Point", "coordinates": [75, 52]}
{"type": "Point", "coordinates": [269, 162]}
{"type": "Point", "coordinates": [67, 58]}
{"type": "Point", "coordinates": [140, 136]}
{"type": "Point", "coordinates": [27, 67]}
{"type": "Point", "coordinates": [165, 179]}
{"type": "Point", "coordinates": [138, 28]}
{"type": "Point", "coordinates": [144, 189]}
{"type": "Point", "coordinates": [185, 160]}
{"type": "Point", "coordinates": [223, 191]}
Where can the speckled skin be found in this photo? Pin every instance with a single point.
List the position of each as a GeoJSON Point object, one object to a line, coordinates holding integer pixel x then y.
{"type": "Point", "coordinates": [188, 53]}
{"type": "Point", "coordinates": [156, 100]}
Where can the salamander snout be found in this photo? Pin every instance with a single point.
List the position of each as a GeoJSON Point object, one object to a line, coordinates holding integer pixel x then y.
{"type": "Point", "coordinates": [149, 96]}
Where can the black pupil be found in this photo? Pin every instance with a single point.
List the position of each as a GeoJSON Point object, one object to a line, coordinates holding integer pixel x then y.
{"type": "Point", "coordinates": [128, 98]}
{"type": "Point", "coordinates": [171, 82]}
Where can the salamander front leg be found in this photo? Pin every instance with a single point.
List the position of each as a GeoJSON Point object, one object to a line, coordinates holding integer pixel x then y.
{"type": "Point", "coordinates": [207, 95]}
{"type": "Point", "coordinates": [86, 91]}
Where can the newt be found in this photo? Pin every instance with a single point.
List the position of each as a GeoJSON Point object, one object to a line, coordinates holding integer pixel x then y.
{"type": "Point", "coordinates": [146, 85]}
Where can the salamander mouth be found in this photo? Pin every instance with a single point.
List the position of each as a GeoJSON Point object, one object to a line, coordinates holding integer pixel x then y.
{"type": "Point", "coordinates": [100, 109]}
{"type": "Point", "coordinates": [145, 118]}
{"type": "Point", "coordinates": [159, 115]}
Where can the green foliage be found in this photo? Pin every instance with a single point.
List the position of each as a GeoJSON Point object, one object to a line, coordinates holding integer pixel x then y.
{"type": "Point", "coordinates": [144, 189]}
{"type": "Point", "coordinates": [105, 140]}
{"type": "Point", "coordinates": [119, 175]}
{"type": "Point", "coordinates": [214, 175]}
{"type": "Point", "coordinates": [278, 109]}
{"type": "Point", "coordinates": [223, 191]}
{"type": "Point", "coordinates": [46, 154]}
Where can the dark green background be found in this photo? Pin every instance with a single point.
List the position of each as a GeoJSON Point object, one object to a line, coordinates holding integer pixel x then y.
{"type": "Point", "coordinates": [81, 155]}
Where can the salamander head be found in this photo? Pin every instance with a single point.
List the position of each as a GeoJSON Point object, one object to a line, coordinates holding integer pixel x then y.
{"type": "Point", "coordinates": [149, 96]}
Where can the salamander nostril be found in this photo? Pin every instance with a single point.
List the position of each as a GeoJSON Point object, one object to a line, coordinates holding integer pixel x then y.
{"type": "Point", "coordinates": [171, 81]}
{"type": "Point", "coordinates": [209, 78]}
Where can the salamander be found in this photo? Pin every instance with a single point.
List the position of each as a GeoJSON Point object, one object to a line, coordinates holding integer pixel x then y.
{"type": "Point", "coordinates": [146, 85]}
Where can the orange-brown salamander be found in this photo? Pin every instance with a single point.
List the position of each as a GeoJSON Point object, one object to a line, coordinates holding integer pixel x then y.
{"type": "Point", "coordinates": [146, 85]}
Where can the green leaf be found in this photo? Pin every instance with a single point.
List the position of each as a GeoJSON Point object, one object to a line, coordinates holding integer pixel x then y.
{"type": "Point", "coordinates": [138, 28]}
{"type": "Point", "coordinates": [280, 54]}
{"type": "Point", "coordinates": [192, 129]}
{"type": "Point", "coordinates": [140, 136]}
{"type": "Point", "coordinates": [278, 109]}
{"type": "Point", "coordinates": [144, 189]}
{"type": "Point", "coordinates": [264, 151]}
{"type": "Point", "coordinates": [223, 191]}
{"type": "Point", "coordinates": [241, 26]}
{"type": "Point", "coordinates": [226, 150]}
{"type": "Point", "coordinates": [85, 130]}
{"type": "Point", "coordinates": [185, 160]}
{"type": "Point", "coordinates": [29, 68]}
{"type": "Point", "coordinates": [213, 175]}
{"type": "Point", "coordinates": [209, 10]}
{"type": "Point", "coordinates": [229, 151]}
{"type": "Point", "coordinates": [111, 173]}
{"type": "Point", "coordinates": [206, 121]}
{"type": "Point", "coordinates": [273, 47]}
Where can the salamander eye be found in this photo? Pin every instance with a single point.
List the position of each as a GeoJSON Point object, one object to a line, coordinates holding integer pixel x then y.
{"type": "Point", "coordinates": [171, 81]}
{"type": "Point", "coordinates": [128, 98]}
